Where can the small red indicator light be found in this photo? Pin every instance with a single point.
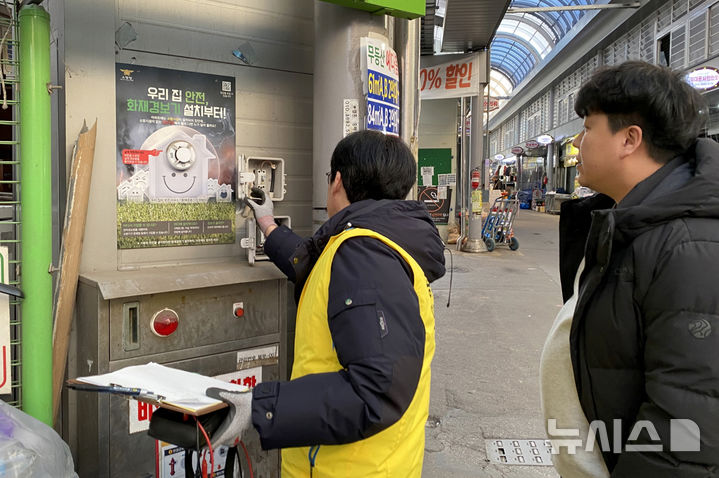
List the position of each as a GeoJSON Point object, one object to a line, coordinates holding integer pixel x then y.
{"type": "Point", "coordinates": [238, 309]}
{"type": "Point", "coordinates": [164, 322]}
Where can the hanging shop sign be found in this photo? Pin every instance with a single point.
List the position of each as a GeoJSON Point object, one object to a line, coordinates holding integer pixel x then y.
{"type": "Point", "coordinates": [544, 139]}
{"type": "Point", "coordinates": [531, 144]}
{"type": "Point", "coordinates": [570, 151]}
{"type": "Point", "coordinates": [456, 76]}
{"type": "Point", "coordinates": [499, 157]}
{"type": "Point", "coordinates": [517, 150]}
{"type": "Point", "coordinates": [380, 82]}
{"type": "Point", "coordinates": [569, 158]}
{"type": "Point", "coordinates": [175, 157]}
{"type": "Point", "coordinates": [705, 78]}
{"type": "Point", "coordinates": [491, 103]}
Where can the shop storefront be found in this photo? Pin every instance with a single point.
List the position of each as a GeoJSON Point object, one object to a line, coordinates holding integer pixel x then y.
{"type": "Point", "coordinates": [532, 169]}
{"type": "Point", "coordinates": [504, 173]}
{"type": "Point", "coordinates": [565, 175]}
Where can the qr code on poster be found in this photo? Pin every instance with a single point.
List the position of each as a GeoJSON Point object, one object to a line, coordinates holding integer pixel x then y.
{"type": "Point", "coordinates": [226, 86]}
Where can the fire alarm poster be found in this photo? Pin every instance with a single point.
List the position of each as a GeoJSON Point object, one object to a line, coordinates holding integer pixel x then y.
{"type": "Point", "coordinates": [175, 157]}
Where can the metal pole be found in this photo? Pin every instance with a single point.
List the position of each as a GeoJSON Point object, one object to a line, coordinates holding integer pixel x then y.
{"type": "Point", "coordinates": [407, 39]}
{"type": "Point", "coordinates": [337, 77]}
{"type": "Point", "coordinates": [485, 147]}
{"type": "Point", "coordinates": [549, 167]}
{"type": "Point", "coordinates": [461, 176]}
{"type": "Point", "coordinates": [36, 212]}
{"type": "Point", "coordinates": [474, 241]}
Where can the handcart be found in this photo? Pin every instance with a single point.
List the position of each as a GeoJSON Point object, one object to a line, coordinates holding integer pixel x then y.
{"type": "Point", "coordinates": [497, 228]}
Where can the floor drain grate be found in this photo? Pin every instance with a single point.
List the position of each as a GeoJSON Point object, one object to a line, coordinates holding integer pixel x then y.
{"type": "Point", "coordinates": [511, 451]}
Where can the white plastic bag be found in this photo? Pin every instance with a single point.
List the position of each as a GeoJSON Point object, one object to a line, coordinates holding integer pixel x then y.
{"type": "Point", "coordinates": [31, 449]}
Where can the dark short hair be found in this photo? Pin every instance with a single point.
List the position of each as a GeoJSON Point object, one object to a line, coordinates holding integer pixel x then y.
{"type": "Point", "coordinates": [669, 111]}
{"type": "Point", "coordinates": [374, 166]}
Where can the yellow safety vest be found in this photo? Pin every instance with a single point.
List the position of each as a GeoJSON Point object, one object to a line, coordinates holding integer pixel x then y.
{"type": "Point", "coordinates": [397, 451]}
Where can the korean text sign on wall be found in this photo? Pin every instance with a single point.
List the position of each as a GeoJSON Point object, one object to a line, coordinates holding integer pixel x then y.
{"type": "Point", "coordinates": [380, 81]}
{"type": "Point", "coordinates": [455, 77]}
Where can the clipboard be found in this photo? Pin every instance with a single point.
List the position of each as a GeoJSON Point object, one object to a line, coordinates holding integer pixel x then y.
{"type": "Point", "coordinates": [166, 387]}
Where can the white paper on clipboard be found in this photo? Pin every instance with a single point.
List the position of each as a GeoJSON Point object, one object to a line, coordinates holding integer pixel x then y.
{"type": "Point", "coordinates": [178, 388]}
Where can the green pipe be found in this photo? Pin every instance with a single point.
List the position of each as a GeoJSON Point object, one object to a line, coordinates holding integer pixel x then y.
{"type": "Point", "coordinates": [36, 212]}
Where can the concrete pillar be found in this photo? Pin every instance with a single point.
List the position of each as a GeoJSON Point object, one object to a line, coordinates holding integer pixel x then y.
{"type": "Point", "coordinates": [462, 179]}
{"type": "Point", "coordinates": [337, 76]}
{"type": "Point", "coordinates": [549, 166]}
{"type": "Point", "coordinates": [407, 41]}
{"type": "Point", "coordinates": [475, 243]}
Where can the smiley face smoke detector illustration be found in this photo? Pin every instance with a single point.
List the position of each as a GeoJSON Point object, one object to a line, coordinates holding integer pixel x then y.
{"type": "Point", "coordinates": [180, 171]}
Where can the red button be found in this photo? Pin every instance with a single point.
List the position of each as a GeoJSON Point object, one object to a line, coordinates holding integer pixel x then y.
{"type": "Point", "coordinates": [239, 312]}
{"type": "Point", "coordinates": [164, 322]}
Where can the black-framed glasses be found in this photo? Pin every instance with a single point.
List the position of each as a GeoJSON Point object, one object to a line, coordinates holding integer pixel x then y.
{"type": "Point", "coordinates": [328, 174]}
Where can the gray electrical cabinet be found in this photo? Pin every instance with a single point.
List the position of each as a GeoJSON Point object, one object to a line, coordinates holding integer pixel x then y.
{"type": "Point", "coordinates": [122, 288]}
{"type": "Point", "coordinates": [231, 323]}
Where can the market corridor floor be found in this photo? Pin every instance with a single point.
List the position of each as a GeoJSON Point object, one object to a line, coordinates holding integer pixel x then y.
{"type": "Point", "coordinates": [485, 372]}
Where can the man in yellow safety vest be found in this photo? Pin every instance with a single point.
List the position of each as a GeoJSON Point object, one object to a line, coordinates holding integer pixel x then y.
{"type": "Point", "coordinates": [358, 398]}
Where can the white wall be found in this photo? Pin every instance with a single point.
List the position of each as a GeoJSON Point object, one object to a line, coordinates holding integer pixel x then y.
{"type": "Point", "coordinates": [438, 124]}
{"type": "Point", "coordinates": [438, 129]}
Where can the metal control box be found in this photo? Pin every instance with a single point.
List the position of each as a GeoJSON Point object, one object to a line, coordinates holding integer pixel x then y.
{"type": "Point", "coordinates": [265, 173]}
{"type": "Point", "coordinates": [107, 434]}
{"type": "Point", "coordinates": [254, 243]}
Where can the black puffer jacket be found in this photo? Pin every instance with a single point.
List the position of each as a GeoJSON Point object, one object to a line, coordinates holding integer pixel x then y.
{"type": "Point", "coordinates": [645, 334]}
{"type": "Point", "coordinates": [372, 391]}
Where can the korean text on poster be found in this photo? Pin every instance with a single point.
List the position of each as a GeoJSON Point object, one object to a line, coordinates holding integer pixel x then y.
{"type": "Point", "coordinates": [380, 78]}
{"type": "Point", "coordinates": [452, 79]}
{"type": "Point", "coordinates": [175, 157]}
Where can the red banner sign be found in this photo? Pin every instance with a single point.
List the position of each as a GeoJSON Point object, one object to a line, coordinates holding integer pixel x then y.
{"type": "Point", "coordinates": [138, 156]}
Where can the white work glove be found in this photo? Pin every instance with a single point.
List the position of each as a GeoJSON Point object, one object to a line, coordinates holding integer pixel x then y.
{"type": "Point", "coordinates": [238, 420]}
{"type": "Point", "coordinates": [263, 210]}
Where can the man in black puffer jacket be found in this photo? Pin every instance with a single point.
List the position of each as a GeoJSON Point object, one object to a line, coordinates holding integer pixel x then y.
{"type": "Point", "coordinates": [644, 338]}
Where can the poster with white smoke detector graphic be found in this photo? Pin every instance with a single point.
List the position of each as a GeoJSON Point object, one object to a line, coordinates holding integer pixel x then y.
{"type": "Point", "coordinates": [175, 157]}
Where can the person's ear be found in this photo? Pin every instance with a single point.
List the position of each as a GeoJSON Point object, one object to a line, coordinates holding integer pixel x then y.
{"type": "Point", "coordinates": [336, 182]}
{"type": "Point", "coordinates": [633, 139]}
